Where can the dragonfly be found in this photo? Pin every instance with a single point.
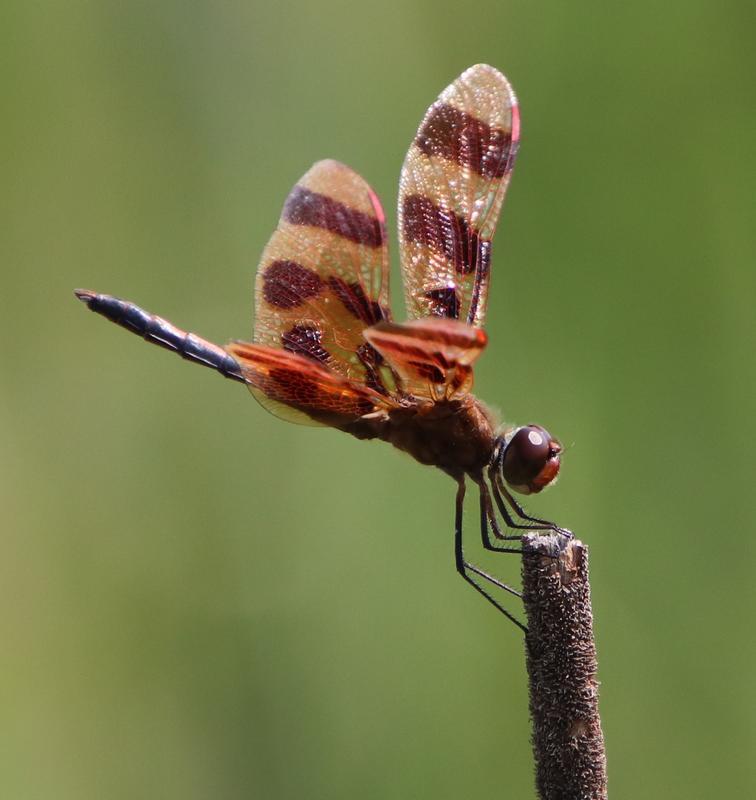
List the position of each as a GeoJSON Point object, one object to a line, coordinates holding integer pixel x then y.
{"type": "Point", "coordinates": [326, 349]}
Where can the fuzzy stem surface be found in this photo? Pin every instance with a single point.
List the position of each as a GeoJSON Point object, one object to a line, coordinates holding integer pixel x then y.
{"type": "Point", "coordinates": [568, 744]}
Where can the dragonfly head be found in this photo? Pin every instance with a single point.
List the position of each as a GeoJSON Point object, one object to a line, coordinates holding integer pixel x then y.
{"type": "Point", "coordinates": [529, 458]}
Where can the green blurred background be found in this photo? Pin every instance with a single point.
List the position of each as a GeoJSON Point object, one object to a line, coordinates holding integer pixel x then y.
{"type": "Point", "coordinates": [199, 600]}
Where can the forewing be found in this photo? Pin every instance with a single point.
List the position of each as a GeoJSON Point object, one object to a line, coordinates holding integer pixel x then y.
{"type": "Point", "coordinates": [298, 389]}
{"type": "Point", "coordinates": [324, 275]}
{"type": "Point", "coordinates": [433, 357]}
{"type": "Point", "coordinates": [451, 190]}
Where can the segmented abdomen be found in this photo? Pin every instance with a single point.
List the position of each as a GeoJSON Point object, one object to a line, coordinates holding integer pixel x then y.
{"type": "Point", "coordinates": [161, 332]}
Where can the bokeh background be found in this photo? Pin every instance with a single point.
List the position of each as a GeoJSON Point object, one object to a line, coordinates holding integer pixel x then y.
{"type": "Point", "coordinates": [198, 600]}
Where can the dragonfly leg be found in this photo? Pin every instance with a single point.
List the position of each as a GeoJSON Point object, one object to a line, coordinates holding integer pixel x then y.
{"type": "Point", "coordinates": [487, 516]}
{"type": "Point", "coordinates": [495, 476]}
{"type": "Point", "coordinates": [463, 566]}
{"type": "Point", "coordinates": [500, 492]}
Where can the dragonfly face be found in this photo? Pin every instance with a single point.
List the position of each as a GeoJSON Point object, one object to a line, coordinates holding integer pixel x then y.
{"type": "Point", "coordinates": [529, 459]}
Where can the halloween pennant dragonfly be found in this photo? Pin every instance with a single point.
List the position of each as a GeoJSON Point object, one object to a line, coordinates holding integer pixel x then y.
{"type": "Point", "coordinates": [326, 348]}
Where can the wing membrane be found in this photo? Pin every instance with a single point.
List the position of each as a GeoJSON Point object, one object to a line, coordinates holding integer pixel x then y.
{"type": "Point", "coordinates": [298, 389]}
{"type": "Point", "coordinates": [324, 275]}
{"type": "Point", "coordinates": [433, 357]}
{"type": "Point", "coordinates": [451, 190]}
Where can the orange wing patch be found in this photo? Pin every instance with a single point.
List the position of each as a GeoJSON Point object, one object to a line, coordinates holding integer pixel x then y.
{"type": "Point", "coordinates": [451, 190]}
{"type": "Point", "coordinates": [297, 389]}
{"type": "Point", "coordinates": [433, 356]}
{"type": "Point", "coordinates": [324, 275]}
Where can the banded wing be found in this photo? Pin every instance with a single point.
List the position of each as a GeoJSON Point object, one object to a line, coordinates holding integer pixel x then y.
{"type": "Point", "coordinates": [324, 277]}
{"type": "Point", "coordinates": [451, 190]}
{"type": "Point", "coordinates": [299, 389]}
{"type": "Point", "coordinates": [433, 357]}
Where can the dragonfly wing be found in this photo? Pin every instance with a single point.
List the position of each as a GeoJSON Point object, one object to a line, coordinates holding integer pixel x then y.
{"type": "Point", "coordinates": [324, 276]}
{"type": "Point", "coordinates": [452, 186]}
{"type": "Point", "coordinates": [433, 357]}
{"type": "Point", "coordinates": [298, 389]}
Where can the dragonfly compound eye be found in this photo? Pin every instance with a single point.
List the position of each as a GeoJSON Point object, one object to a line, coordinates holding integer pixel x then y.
{"type": "Point", "coordinates": [531, 459]}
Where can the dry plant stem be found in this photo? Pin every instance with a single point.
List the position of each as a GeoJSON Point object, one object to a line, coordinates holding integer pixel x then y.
{"type": "Point", "coordinates": [561, 660]}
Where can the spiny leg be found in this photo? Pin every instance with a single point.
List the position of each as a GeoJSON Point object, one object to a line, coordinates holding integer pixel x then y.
{"type": "Point", "coordinates": [490, 578]}
{"type": "Point", "coordinates": [462, 566]}
{"type": "Point", "coordinates": [485, 500]}
{"type": "Point", "coordinates": [498, 489]}
{"type": "Point", "coordinates": [524, 515]}
{"type": "Point", "coordinates": [547, 526]}
{"type": "Point", "coordinates": [486, 516]}
{"type": "Point", "coordinates": [499, 486]}
{"type": "Point", "coordinates": [497, 482]}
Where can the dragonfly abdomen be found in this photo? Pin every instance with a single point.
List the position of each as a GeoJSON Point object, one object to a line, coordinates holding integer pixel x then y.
{"type": "Point", "coordinates": [162, 333]}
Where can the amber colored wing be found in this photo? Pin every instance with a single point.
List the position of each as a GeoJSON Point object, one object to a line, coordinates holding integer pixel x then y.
{"type": "Point", "coordinates": [301, 390]}
{"type": "Point", "coordinates": [432, 356]}
{"type": "Point", "coordinates": [324, 275]}
{"type": "Point", "coordinates": [452, 186]}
